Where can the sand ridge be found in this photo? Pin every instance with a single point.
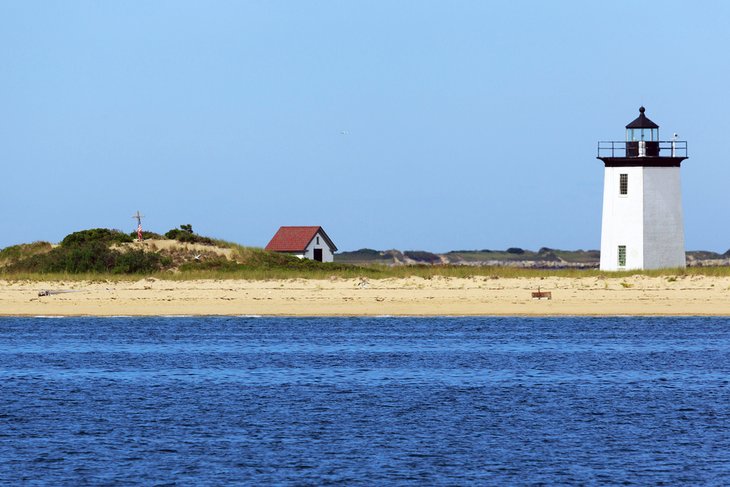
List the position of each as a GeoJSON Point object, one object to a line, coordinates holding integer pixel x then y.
{"type": "Point", "coordinates": [637, 295]}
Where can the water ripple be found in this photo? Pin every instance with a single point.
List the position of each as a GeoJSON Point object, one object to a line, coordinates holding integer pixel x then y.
{"type": "Point", "coordinates": [265, 400]}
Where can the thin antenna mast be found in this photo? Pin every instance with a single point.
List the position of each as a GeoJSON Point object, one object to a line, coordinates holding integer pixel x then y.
{"type": "Point", "coordinates": [139, 217]}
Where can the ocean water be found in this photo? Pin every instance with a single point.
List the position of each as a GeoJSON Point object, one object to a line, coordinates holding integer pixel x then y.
{"type": "Point", "coordinates": [212, 401]}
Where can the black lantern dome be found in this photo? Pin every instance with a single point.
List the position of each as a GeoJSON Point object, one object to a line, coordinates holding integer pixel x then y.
{"type": "Point", "coordinates": [642, 129]}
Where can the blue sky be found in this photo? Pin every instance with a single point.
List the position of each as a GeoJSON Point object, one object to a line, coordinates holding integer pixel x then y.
{"type": "Point", "coordinates": [410, 125]}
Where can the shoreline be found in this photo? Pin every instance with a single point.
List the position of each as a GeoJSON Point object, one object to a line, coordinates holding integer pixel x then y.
{"type": "Point", "coordinates": [637, 295]}
{"type": "Point", "coordinates": [425, 316]}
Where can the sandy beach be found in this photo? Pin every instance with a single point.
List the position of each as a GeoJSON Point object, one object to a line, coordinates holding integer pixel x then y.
{"type": "Point", "coordinates": [637, 295]}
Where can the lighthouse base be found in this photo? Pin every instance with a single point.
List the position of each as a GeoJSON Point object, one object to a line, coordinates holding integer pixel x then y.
{"type": "Point", "coordinates": [642, 226]}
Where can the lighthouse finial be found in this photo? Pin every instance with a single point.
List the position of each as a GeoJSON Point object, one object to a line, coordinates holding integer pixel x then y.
{"type": "Point", "coordinates": [642, 109]}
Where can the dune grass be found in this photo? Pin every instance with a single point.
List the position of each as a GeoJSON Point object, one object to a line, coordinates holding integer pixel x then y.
{"type": "Point", "coordinates": [21, 251]}
{"type": "Point", "coordinates": [342, 271]}
{"type": "Point", "coordinates": [253, 263]}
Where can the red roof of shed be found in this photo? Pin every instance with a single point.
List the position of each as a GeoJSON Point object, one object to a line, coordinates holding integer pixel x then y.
{"type": "Point", "coordinates": [296, 239]}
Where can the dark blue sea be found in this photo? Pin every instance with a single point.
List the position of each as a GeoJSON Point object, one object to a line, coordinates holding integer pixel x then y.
{"type": "Point", "coordinates": [213, 401]}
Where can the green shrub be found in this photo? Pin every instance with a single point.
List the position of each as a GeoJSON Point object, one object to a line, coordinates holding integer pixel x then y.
{"type": "Point", "coordinates": [72, 258]}
{"type": "Point", "coordinates": [515, 250]}
{"type": "Point", "coordinates": [178, 233]}
{"type": "Point", "coordinates": [139, 261]}
{"type": "Point", "coordinates": [90, 257]}
{"type": "Point", "coordinates": [173, 234]}
{"type": "Point", "coordinates": [185, 234]}
{"type": "Point", "coordinates": [103, 235]}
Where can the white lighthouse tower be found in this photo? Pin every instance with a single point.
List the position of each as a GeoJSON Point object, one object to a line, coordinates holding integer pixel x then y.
{"type": "Point", "coordinates": [642, 201]}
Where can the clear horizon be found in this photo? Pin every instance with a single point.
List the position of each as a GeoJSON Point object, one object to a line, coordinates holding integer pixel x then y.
{"type": "Point", "coordinates": [414, 126]}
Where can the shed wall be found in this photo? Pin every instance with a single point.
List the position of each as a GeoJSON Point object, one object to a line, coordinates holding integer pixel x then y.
{"type": "Point", "coordinates": [327, 255]}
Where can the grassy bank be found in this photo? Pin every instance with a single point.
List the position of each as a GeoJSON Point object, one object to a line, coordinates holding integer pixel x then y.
{"type": "Point", "coordinates": [109, 255]}
{"type": "Point", "coordinates": [328, 271]}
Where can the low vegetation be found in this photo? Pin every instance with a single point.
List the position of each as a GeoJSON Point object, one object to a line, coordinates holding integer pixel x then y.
{"type": "Point", "coordinates": [340, 271]}
{"type": "Point", "coordinates": [104, 254]}
{"type": "Point", "coordinates": [88, 253]}
{"type": "Point", "coordinates": [96, 235]}
{"type": "Point", "coordinates": [185, 234]}
{"type": "Point", "coordinates": [15, 253]}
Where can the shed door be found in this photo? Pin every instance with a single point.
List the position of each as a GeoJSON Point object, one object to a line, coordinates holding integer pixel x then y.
{"type": "Point", "coordinates": [318, 255]}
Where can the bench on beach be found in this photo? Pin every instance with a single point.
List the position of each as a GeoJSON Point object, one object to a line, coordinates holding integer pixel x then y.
{"type": "Point", "coordinates": [542, 294]}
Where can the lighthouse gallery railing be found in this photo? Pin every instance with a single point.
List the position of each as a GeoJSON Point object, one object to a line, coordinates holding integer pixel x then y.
{"type": "Point", "coordinates": [667, 148]}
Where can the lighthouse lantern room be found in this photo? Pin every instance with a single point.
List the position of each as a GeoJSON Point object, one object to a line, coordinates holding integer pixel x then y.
{"type": "Point", "coordinates": [642, 224]}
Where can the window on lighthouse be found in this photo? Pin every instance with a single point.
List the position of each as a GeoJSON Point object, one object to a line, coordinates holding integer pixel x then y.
{"type": "Point", "coordinates": [622, 256]}
{"type": "Point", "coordinates": [623, 185]}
